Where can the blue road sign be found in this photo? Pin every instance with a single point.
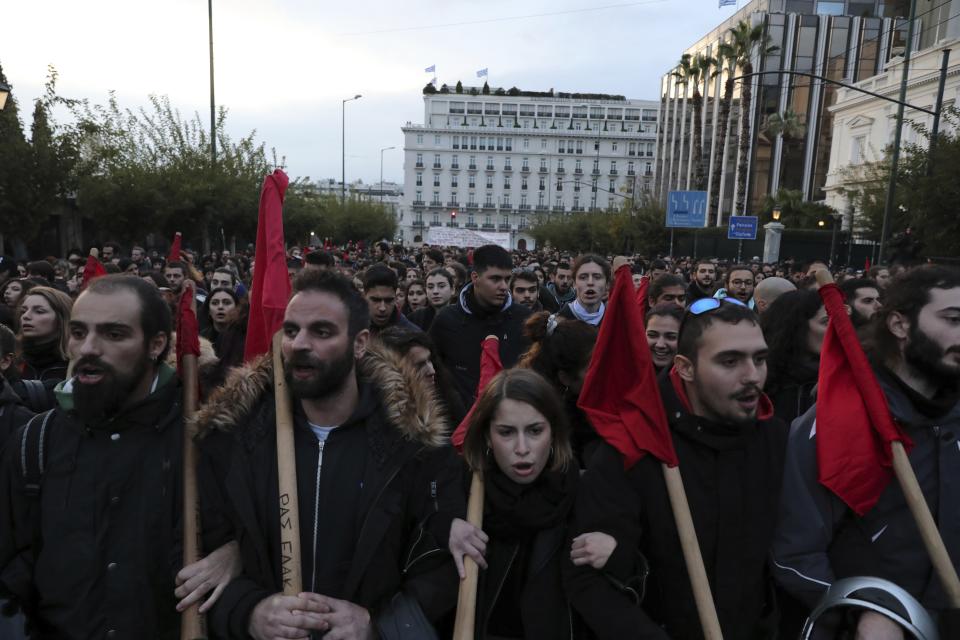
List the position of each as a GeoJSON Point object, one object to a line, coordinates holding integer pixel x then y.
{"type": "Point", "coordinates": [742, 228]}
{"type": "Point", "coordinates": [687, 209]}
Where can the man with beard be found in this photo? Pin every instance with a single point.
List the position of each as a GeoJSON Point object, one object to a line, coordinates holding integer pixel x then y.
{"type": "Point", "coordinates": [731, 451]}
{"type": "Point", "coordinates": [561, 284]}
{"type": "Point", "coordinates": [702, 284]}
{"type": "Point", "coordinates": [525, 289]}
{"type": "Point", "coordinates": [369, 464]}
{"type": "Point", "coordinates": [739, 284]}
{"type": "Point", "coordinates": [916, 356]}
{"type": "Point", "coordinates": [863, 298]}
{"type": "Point", "coordinates": [89, 494]}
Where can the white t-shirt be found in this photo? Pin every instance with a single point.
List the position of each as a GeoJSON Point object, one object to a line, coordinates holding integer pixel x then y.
{"type": "Point", "coordinates": [321, 432]}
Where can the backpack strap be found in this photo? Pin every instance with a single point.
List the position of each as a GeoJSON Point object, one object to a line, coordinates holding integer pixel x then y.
{"type": "Point", "coordinates": [33, 452]}
{"type": "Point", "coordinates": [36, 394]}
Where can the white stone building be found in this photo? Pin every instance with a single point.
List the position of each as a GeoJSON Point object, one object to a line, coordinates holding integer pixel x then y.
{"type": "Point", "coordinates": [864, 125]}
{"type": "Point", "coordinates": [500, 162]}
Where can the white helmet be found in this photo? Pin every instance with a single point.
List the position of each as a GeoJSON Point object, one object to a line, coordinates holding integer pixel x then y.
{"type": "Point", "coordinates": [846, 596]}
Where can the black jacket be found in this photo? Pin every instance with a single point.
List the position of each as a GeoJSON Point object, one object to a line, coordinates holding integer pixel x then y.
{"type": "Point", "coordinates": [384, 473]}
{"type": "Point", "coordinates": [97, 550]}
{"type": "Point", "coordinates": [13, 414]}
{"type": "Point", "coordinates": [695, 292]}
{"type": "Point", "coordinates": [732, 483]}
{"type": "Point", "coordinates": [423, 318]}
{"type": "Point", "coordinates": [820, 539]}
{"type": "Point", "coordinates": [459, 329]}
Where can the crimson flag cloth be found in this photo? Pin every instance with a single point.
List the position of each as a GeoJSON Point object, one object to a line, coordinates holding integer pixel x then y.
{"type": "Point", "coordinates": [853, 425]}
{"type": "Point", "coordinates": [175, 248]}
{"type": "Point", "coordinates": [620, 394]}
{"type": "Point", "coordinates": [643, 292]}
{"type": "Point", "coordinates": [490, 365]}
{"type": "Point", "coordinates": [188, 330]}
{"type": "Point", "coordinates": [93, 269]}
{"type": "Point", "coordinates": [271, 284]}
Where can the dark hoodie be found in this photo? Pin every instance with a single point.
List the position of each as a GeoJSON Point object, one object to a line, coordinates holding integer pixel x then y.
{"type": "Point", "coordinates": [13, 414]}
{"type": "Point", "coordinates": [459, 329]}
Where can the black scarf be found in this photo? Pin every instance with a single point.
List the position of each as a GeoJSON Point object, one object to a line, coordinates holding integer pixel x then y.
{"type": "Point", "coordinates": [514, 511]}
{"type": "Point", "coordinates": [42, 354]}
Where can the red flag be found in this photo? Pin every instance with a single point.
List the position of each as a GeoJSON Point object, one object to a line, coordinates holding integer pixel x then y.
{"type": "Point", "coordinates": [93, 269]}
{"type": "Point", "coordinates": [866, 265]}
{"type": "Point", "coordinates": [490, 366]}
{"type": "Point", "coordinates": [643, 292]}
{"type": "Point", "coordinates": [175, 249]}
{"type": "Point", "coordinates": [271, 284]}
{"type": "Point", "coordinates": [620, 393]}
{"type": "Point", "coordinates": [854, 427]}
{"type": "Point", "coordinates": [188, 331]}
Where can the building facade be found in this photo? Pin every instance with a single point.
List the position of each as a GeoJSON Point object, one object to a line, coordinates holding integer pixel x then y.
{"type": "Point", "coordinates": [843, 40]}
{"type": "Point", "coordinates": [499, 162]}
{"type": "Point", "coordinates": [864, 125]}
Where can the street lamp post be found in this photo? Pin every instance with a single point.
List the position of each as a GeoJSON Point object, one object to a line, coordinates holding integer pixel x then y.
{"type": "Point", "coordinates": [833, 237]}
{"type": "Point", "coordinates": [343, 147]}
{"type": "Point", "coordinates": [4, 92]}
{"type": "Point", "coordinates": [381, 170]}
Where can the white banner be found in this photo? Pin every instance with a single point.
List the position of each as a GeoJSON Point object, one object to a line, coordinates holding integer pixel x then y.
{"type": "Point", "coordinates": [467, 238]}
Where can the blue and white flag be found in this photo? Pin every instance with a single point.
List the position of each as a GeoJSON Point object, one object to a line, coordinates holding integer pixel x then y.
{"type": "Point", "coordinates": [432, 68]}
{"type": "Point", "coordinates": [482, 73]}
{"type": "Point", "coordinates": [727, 3]}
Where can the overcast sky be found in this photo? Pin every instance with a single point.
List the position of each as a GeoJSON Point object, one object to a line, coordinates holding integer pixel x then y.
{"type": "Point", "coordinates": [283, 66]}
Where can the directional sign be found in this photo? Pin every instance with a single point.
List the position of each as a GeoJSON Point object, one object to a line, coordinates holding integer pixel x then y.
{"type": "Point", "coordinates": [687, 209]}
{"type": "Point", "coordinates": [742, 228]}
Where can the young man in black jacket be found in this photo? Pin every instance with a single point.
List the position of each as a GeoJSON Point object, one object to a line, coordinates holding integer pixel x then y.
{"type": "Point", "coordinates": [90, 490]}
{"type": "Point", "coordinates": [372, 471]}
{"type": "Point", "coordinates": [485, 307]}
{"type": "Point", "coordinates": [731, 451]}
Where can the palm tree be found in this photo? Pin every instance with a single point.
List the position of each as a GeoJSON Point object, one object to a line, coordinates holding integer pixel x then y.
{"type": "Point", "coordinates": [786, 124]}
{"type": "Point", "coordinates": [701, 71]}
{"type": "Point", "coordinates": [745, 41]}
{"type": "Point", "coordinates": [725, 61]}
{"type": "Point", "coordinates": [684, 74]}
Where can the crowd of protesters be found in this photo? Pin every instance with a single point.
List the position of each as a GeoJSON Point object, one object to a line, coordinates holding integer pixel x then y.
{"type": "Point", "coordinates": [382, 354]}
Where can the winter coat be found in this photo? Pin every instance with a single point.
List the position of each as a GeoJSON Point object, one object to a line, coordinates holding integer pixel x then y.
{"type": "Point", "coordinates": [459, 329]}
{"type": "Point", "coordinates": [366, 496]}
{"type": "Point", "coordinates": [93, 553]}
{"type": "Point", "coordinates": [819, 539]}
{"type": "Point", "coordinates": [423, 318]}
{"type": "Point", "coordinates": [13, 414]}
{"type": "Point", "coordinates": [732, 482]}
{"type": "Point", "coordinates": [695, 292]}
{"type": "Point", "coordinates": [398, 320]}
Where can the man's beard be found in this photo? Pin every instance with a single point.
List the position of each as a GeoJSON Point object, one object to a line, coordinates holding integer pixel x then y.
{"type": "Point", "coordinates": [328, 377]}
{"type": "Point", "coordinates": [926, 357]}
{"type": "Point", "coordinates": [97, 402]}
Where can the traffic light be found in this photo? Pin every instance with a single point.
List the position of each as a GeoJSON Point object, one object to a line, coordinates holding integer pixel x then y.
{"type": "Point", "coordinates": [453, 215]}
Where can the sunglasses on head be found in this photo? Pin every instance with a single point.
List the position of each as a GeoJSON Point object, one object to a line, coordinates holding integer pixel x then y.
{"type": "Point", "coordinates": [710, 304]}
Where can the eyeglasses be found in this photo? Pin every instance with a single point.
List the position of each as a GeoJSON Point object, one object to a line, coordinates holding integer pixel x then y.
{"type": "Point", "coordinates": [704, 305]}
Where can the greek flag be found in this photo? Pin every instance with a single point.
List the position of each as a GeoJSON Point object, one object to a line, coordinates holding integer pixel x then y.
{"type": "Point", "coordinates": [727, 3]}
{"type": "Point", "coordinates": [482, 73]}
{"type": "Point", "coordinates": [432, 68]}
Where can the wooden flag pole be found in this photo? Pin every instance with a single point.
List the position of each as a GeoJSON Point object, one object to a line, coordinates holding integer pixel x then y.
{"type": "Point", "coordinates": [692, 557]}
{"type": "Point", "coordinates": [919, 507]}
{"type": "Point", "coordinates": [191, 623]}
{"type": "Point", "coordinates": [287, 475]}
{"type": "Point", "coordinates": [463, 628]}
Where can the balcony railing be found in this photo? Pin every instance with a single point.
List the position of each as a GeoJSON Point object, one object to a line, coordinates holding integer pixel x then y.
{"type": "Point", "coordinates": [473, 205]}
{"type": "Point", "coordinates": [419, 203]}
{"type": "Point", "coordinates": [436, 203]}
{"type": "Point", "coordinates": [471, 225]}
{"type": "Point", "coordinates": [489, 226]}
{"type": "Point", "coordinates": [503, 226]}
{"type": "Point", "coordinates": [561, 170]}
{"type": "Point", "coordinates": [472, 167]}
{"type": "Point", "coordinates": [542, 207]}
{"type": "Point", "coordinates": [576, 209]}
{"type": "Point", "coordinates": [488, 205]}
{"type": "Point", "coordinates": [559, 208]}
{"type": "Point", "coordinates": [525, 169]}
{"type": "Point", "coordinates": [453, 224]}
{"type": "Point", "coordinates": [578, 171]}
{"type": "Point", "coordinates": [543, 170]}
{"type": "Point", "coordinates": [631, 172]}
{"type": "Point", "coordinates": [613, 172]}
{"type": "Point", "coordinates": [455, 166]}
{"type": "Point", "coordinates": [524, 207]}
{"type": "Point", "coordinates": [453, 203]}
{"type": "Point", "coordinates": [419, 165]}
{"type": "Point", "coordinates": [490, 167]}
{"type": "Point", "coordinates": [419, 224]}
{"type": "Point", "coordinates": [523, 226]}
{"type": "Point", "coordinates": [437, 165]}
{"type": "Point", "coordinates": [648, 173]}
{"type": "Point", "coordinates": [507, 167]}
{"type": "Point", "coordinates": [436, 223]}
{"type": "Point", "coordinates": [595, 171]}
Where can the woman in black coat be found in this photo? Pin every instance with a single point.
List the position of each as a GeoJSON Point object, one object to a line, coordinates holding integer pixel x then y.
{"type": "Point", "coordinates": [519, 440]}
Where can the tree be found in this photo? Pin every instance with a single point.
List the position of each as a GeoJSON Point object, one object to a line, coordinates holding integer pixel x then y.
{"type": "Point", "coordinates": [486, 88]}
{"type": "Point", "coordinates": [726, 63]}
{"type": "Point", "coordinates": [631, 230]}
{"type": "Point", "coordinates": [794, 212]}
{"type": "Point", "coordinates": [787, 124]}
{"type": "Point", "coordinates": [928, 189]}
{"type": "Point", "coordinates": [13, 150]}
{"type": "Point", "coordinates": [305, 210]}
{"type": "Point", "coordinates": [459, 88]}
{"type": "Point", "coordinates": [692, 70]}
{"type": "Point", "coordinates": [747, 42]}
{"type": "Point", "coordinates": [429, 89]}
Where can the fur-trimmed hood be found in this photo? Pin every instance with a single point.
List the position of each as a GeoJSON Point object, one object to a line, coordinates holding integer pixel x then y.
{"type": "Point", "coordinates": [410, 404]}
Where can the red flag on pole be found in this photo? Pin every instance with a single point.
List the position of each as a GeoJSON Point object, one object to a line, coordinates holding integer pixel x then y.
{"type": "Point", "coordinates": [271, 284]}
{"type": "Point", "coordinates": [93, 269]}
{"type": "Point", "coordinates": [866, 265]}
{"type": "Point", "coordinates": [854, 427]}
{"type": "Point", "coordinates": [175, 248]}
{"type": "Point", "coordinates": [490, 365]}
{"type": "Point", "coordinates": [188, 330]}
{"type": "Point", "coordinates": [620, 394]}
